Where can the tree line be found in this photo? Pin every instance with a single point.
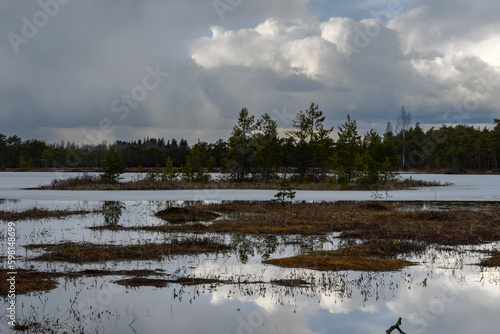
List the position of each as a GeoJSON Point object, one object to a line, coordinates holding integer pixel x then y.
{"type": "Point", "coordinates": [256, 151]}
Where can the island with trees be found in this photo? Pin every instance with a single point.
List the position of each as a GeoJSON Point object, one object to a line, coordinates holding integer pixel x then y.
{"type": "Point", "coordinates": [256, 156]}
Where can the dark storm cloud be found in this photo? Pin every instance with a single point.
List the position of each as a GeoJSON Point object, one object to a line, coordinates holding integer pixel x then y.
{"type": "Point", "coordinates": [70, 66]}
{"type": "Point", "coordinates": [65, 62]}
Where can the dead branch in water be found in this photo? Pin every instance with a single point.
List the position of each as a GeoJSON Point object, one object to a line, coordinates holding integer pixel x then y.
{"type": "Point", "coordinates": [396, 326]}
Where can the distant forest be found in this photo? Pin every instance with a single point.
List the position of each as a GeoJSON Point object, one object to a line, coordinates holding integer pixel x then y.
{"type": "Point", "coordinates": [255, 147]}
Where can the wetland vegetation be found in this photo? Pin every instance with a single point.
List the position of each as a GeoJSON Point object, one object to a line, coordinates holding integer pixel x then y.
{"type": "Point", "coordinates": [353, 220]}
{"type": "Point", "coordinates": [346, 257]}
{"type": "Point", "coordinates": [89, 252]}
{"type": "Point", "coordinates": [374, 236]}
{"type": "Point", "coordinates": [38, 213]}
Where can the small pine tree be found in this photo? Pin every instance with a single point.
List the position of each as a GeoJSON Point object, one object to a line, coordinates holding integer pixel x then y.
{"type": "Point", "coordinates": [193, 169]}
{"type": "Point", "coordinates": [153, 175]}
{"type": "Point", "coordinates": [386, 171]}
{"type": "Point", "coordinates": [169, 174]}
{"type": "Point", "coordinates": [192, 172]}
{"type": "Point", "coordinates": [112, 166]}
{"type": "Point", "coordinates": [284, 191]}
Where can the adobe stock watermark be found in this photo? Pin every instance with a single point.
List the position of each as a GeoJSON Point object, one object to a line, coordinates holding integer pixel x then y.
{"type": "Point", "coordinates": [434, 308]}
{"type": "Point", "coordinates": [364, 37]}
{"type": "Point", "coordinates": [224, 6]}
{"type": "Point", "coordinates": [254, 320]}
{"type": "Point", "coordinates": [93, 306]}
{"type": "Point", "coordinates": [11, 274]}
{"type": "Point", "coordinates": [284, 116]}
{"type": "Point", "coordinates": [30, 27]}
{"type": "Point", "coordinates": [206, 195]}
{"type": "Point", "coordinates": [127, 102]}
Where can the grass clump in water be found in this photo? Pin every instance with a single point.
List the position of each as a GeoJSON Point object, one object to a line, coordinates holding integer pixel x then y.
{"type": "Point", "coordinates": [160, 283]}
{"type": "Point", "coordinates": [27, 281]}
{"type": "Point", "coordinates": [365, 257]}
{"type": "Point", "coordinates": [31, 281]}
{"type": "Point", "coordinates": [88, 252]}
{"type": "Point", "coordinates": [290, 283]}
{"type": "Point", "coordinates": [492, 261]}
{"type": "Point", "coordinates": [36, 213]}
{"type": "Point", "coordinates": [446, 227]}
{"type": "Point", "coordinates": [176, 215]}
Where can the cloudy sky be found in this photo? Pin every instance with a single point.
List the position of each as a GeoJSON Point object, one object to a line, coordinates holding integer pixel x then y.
{"type": "Point", "coordinates": [89, 70]}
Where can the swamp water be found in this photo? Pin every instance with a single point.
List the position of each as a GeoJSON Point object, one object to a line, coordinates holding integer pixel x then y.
{"type": "Point", "coordinates": [446, 292]}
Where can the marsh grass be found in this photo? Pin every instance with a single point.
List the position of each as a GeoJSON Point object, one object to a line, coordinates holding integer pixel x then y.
{"type": "Point", "coordinates": [193, 281]}
{"type": "Point", "coordinates": [88, 252]}
{"type": "Point", "coordinates": [363, 220]}
{"type": "Point", "coordinates": [160, 283]}
{"type": "Point", "coordinates": [354, 220]}
{"type": "Point", "coordinates": [176, 215]}
{"type": "Point", "coordinates": [373, 256]}
{"type": "Point", "coordinates": [28, 281]}
{"type": "Point", "coordinates": [450, 227]}
{"type": "Point", "coordinates": [291, 283]}
{"type": "Point", "coordinates": [36, 213]}
{"type": "Point", "coordinates": [492, 261]}
{"type": "Point", "coordinates": [31, 281]}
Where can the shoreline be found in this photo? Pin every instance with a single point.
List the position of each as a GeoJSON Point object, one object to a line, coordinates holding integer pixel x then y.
{"type": "Point", "coordinates": [134, 170]}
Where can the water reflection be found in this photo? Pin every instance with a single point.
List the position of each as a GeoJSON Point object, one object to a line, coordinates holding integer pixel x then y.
{"type": "Point", "coordinates": [112, 211]}
{"type": "Point", "coordinates": [343, 303]}
{"type": "Point", "coordinates": [438, 295]}
{"type": "Point", "coordinates": [7, 200]}
{"type": "Point", "coordinates": [248, 246]}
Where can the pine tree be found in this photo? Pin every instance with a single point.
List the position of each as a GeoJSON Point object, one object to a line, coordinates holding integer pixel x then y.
{"type": "Point", "coordinates": [193, 169]}
{"type": "Point", "coordinates": [112, 166]}
{"type": "Point", "coordinates": [348, 147]}
{"type": "Point", "coordinates": [284, 191]}
{"type": "Point", "coordinates": [169, 174]}
{"type": "Point", "coordinates": [268, 147]}
{"type": "Point", "coordinates": [313, 142]}
{"type": "Point", "coordinates": [240, 158]}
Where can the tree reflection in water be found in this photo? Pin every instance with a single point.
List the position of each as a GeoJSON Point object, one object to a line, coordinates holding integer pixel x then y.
{"type": "Point", "coordinates": [112, 211]}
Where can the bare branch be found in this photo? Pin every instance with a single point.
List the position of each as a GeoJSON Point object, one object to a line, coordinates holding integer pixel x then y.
{"type": "Point", "coordinates": [396, 326]}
